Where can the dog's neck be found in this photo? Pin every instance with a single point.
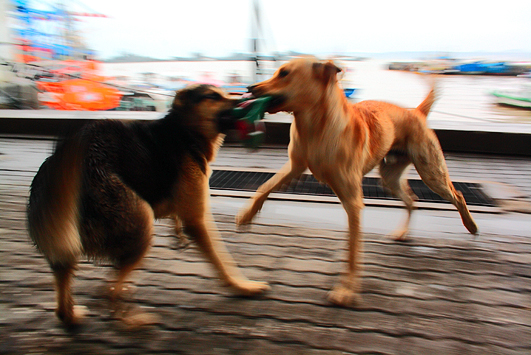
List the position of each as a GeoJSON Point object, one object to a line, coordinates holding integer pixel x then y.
{"type": "Point", "coordinates": [329, 111]}
{"type": "Point", "coordinates": [206, 145]}
{"type": "Point", "coordinates": [205, 148]}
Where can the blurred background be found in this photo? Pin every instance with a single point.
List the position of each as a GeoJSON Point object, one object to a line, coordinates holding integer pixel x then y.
{"type": "Point", "coordinates": [116, 55]}
{"type": "Point", "coordinates": [66, 63]}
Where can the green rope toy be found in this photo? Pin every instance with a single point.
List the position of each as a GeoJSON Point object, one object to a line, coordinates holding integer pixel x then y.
{"type": "Point", "coordinates": [250, 112]}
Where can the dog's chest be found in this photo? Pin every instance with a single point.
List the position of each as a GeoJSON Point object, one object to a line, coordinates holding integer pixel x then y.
{"type": "Point", "coordinates": [322, 165]}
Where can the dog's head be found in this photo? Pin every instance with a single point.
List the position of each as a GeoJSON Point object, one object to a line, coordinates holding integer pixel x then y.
{"type": "Point", "coordinates": [205, 108]}
{"type": "Point", "coordinates": [297, 84]}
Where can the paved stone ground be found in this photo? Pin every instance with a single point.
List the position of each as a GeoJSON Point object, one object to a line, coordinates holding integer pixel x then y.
{"type": "Point", "coordinates": [429, 296]}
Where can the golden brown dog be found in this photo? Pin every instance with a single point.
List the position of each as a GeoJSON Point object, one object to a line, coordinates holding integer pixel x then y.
{"type": "Point", "coordinates": [340, 142]}
{"type": "Point", "coordinates": [101, 189]}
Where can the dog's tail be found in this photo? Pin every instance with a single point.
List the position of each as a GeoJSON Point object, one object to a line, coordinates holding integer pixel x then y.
{"type": "Point", "coordinates": [53, 209]}
{"type": "Point", "coordinates": [425, 106]}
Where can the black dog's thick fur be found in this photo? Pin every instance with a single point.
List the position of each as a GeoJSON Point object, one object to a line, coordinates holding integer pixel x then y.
{"type": "Point", "coordinates": [98, 193]}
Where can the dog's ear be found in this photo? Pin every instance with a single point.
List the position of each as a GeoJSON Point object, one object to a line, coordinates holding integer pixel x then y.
{"type": "Point", "coordinates": [327, 72]}
{"type": "Point", "coordinates": [180, 100]}
{"type": "Point", "coordinates": [190, 95]}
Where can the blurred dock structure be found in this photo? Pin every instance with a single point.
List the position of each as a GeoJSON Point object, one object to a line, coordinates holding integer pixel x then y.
{"type": "Point", "coordinates": [455, 134]}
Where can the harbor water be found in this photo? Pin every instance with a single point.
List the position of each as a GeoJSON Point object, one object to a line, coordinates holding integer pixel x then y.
{"type": "Point", "coordinates": [462, 98]}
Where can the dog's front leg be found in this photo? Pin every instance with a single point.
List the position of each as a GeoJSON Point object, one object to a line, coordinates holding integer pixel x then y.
{"type": "Point", "coordinates": [206, 235]}
{"type": "Point", "coordinates": [288, 172]}
{"type": "Point", "coordinates": [347, 291]}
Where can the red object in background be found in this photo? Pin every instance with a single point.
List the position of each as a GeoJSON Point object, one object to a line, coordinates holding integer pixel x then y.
{"type": "Point", "coordinates": [86, 92]}
{"type": "Point", "coordinates": [78, 94]}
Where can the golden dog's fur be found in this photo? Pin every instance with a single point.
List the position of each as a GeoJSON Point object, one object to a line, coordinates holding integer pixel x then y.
{"type": "Point", "coordinates": [101, 189]}
{"type": "Point", "coordinates": [340, 142]}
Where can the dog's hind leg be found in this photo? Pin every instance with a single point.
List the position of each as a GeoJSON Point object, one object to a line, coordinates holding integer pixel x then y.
{"type": "Point", "coordinates": [53, 224]}
{"type": "Point", "coordinates": [69, 314]}
{"type": "Point", "coordinates": [391, 171]}
{"type": "Point", "coordinates": [431, 166]}
{"type": "Point", "coordinates": [133, 240]}
{"type": "Point", "coordinates": [132, 318]}
{"type": "Point", "coordinates": [287, 173]}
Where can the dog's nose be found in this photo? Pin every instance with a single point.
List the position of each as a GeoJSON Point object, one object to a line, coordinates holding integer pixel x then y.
{"type": "Point", "coordinates": [250, 88]}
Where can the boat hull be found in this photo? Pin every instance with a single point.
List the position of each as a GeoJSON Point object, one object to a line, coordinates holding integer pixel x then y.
{"type": "Point", "coordinates": [512, 100]}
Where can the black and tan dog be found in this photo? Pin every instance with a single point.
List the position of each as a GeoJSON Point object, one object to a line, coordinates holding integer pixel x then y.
{"type": "Point", "coordinates": [99, 192]}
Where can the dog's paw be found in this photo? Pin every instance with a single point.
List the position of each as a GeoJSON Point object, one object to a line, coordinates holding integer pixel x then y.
{"type": "Point", "coordinates": [138, 320]}
{"type": "Point", "coordinates": [75, 318]}
{"type": "Point", "coordinates": [401, 235]}
{"type": "Point", "coordinates": [243, 228]}
{"type": "Point", "coordinates": [244, 217]}
{"type": "Point", "coordinates": [181, 242]}
{"type": "Point", "coordinates": [344, 296]}
{"type": "Point", "coordinates": [471, 225]}
{"type": "Point", "coordinates": [251, 288]}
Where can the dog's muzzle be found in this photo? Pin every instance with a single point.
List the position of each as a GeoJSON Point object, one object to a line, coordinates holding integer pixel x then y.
{"type": "Point", "coordinates": [254, 91]}
{"type": "Point", "coordinates": [226, 120]}
{"type": "Point", "coordinates": [250, 88]}
{"type": "Point", "coordinates": [274, 104]}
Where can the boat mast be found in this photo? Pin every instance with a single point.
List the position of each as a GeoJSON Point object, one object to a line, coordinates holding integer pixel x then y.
{"type": "Point", "coordinates": [255, 32]}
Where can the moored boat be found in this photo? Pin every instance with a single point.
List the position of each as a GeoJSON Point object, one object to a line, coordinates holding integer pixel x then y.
{"type": "Point", "coordinates": [520, 98]}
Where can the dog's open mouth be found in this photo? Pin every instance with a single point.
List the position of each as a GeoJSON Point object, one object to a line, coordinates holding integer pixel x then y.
{"type": "Point", "coordinates": [226, 120]}
{"type": "Point", "coordinates": [276, 103]}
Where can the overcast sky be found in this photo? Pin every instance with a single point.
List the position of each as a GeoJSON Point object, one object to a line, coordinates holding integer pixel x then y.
{"type": "Point", "coordinates": [167, 28]}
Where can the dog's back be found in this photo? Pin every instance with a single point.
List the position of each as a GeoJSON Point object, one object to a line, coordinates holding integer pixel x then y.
{"type": "Point", "coordinates": [147, 157]}
{"type": "Point", "coordinates": [93, 176]}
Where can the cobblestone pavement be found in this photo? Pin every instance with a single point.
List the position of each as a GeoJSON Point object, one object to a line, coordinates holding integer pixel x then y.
{"type": "Point", "coordinates": [429, 296]}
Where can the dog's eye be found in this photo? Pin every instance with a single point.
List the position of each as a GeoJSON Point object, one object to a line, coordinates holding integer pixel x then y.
{"type": "Point", "coordinates": [283, 73]}
{"type": "Point", "coordinates": [213, 96]}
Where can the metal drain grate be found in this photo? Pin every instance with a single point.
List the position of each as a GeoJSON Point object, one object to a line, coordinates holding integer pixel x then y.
{"type": "Point", "coordinates": [308, 185]}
